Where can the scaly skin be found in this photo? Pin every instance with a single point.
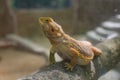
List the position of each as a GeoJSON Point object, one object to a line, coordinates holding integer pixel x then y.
{"type": "Point", "coordinates": [77, 52]}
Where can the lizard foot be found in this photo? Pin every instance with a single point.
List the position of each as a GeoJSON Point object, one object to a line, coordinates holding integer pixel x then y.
{"type": "Point", "coordinates": [68, 66]}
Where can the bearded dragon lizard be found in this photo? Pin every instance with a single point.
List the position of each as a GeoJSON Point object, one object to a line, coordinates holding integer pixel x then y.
{"type": "Point", "coordinates": [68, 48]}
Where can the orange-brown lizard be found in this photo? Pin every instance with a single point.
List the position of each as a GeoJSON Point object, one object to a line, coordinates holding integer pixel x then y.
{"type": "Point", "coordinates": [77, 52]}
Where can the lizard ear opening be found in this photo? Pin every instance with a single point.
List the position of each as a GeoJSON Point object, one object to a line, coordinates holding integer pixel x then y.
{"type": "Point", "coordinates": [52, 30]}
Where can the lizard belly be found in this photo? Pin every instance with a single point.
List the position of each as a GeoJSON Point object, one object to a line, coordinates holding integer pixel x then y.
{"type": "Point", "coordinates": [65, 53]}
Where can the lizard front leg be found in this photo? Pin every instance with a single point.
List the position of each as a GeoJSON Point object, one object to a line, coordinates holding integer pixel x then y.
{"type": "Point", "coordinates": [73, 62]}
{"type": "Point", "coordinates": [52, 56]}
{"type": "Point", "coordinates": [74, 59]}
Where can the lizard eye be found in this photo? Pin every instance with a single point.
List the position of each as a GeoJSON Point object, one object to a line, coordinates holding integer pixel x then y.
{"type": "Point", "coordinates": [47, 20]}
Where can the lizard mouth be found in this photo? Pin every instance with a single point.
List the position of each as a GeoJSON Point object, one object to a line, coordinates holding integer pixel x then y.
{"type": "Point", "coordinates": [41, 21]}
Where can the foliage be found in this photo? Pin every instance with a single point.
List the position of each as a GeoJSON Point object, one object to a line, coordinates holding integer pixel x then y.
{"type": "Point", "coordinates": [41, 3]}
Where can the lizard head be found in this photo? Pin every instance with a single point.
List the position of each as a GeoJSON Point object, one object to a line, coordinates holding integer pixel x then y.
{"type": "Point", "coordinates": [50, 27]}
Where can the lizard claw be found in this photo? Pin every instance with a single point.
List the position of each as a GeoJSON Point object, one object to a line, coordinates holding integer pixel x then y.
{"type": "Point", "coordinates": [68, 66]}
